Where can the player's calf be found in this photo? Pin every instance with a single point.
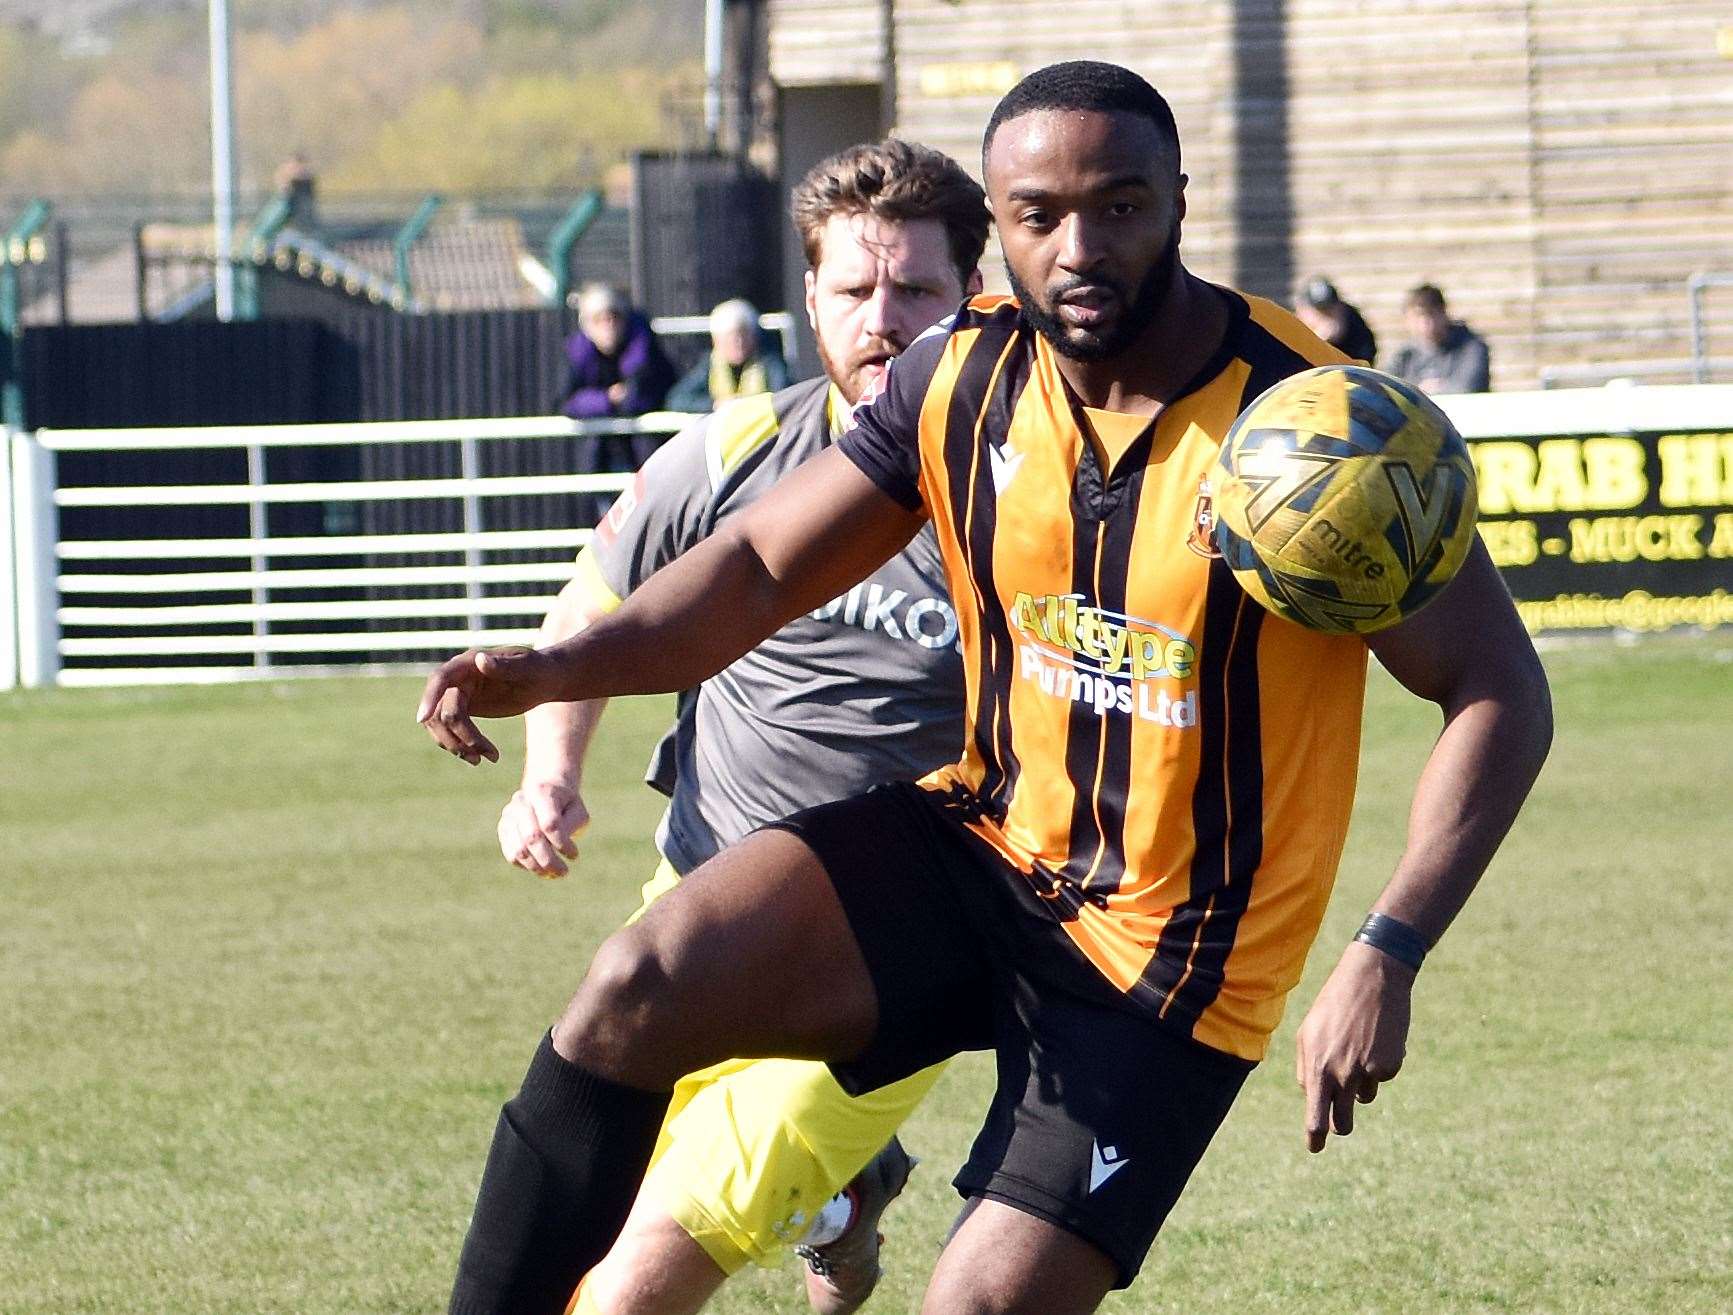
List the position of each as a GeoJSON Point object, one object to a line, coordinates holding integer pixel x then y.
{"type": "Point", "coordinates": [1002, 1261]}
{"type": "Point", "coordinates": [718, 967]}
{"type": "Point", "coordinates": [567, 1155]}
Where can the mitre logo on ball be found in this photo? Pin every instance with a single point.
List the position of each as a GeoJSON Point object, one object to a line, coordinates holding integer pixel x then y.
{"type": "Point", "coordinates": [1343, 499]}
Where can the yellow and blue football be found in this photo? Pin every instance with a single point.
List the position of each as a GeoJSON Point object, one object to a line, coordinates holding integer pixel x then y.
{"type": "Point", "coordinates": [1344, 499]}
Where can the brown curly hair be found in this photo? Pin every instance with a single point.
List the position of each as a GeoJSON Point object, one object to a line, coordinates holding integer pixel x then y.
{"type": "Point", "coordinates": [899, 180]}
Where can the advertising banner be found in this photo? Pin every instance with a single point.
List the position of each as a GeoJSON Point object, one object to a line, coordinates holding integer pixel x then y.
{"type": "Point", "coordinates": [1609, 508]}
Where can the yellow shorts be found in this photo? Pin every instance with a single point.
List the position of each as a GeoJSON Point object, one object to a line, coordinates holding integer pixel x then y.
{"type": "Point", "coordinates": [751, 1149]}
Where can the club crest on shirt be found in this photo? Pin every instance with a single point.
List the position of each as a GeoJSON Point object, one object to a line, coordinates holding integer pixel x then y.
{"type": "Point", "coordinates": [1201, 540]}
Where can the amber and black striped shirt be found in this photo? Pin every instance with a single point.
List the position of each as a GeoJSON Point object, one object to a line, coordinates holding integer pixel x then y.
{"type": "Point", "coordinates": [1171, 766]}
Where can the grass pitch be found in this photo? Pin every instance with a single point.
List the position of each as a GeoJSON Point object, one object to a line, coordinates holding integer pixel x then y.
{"type": "Point", "coordinates": [264, 982]}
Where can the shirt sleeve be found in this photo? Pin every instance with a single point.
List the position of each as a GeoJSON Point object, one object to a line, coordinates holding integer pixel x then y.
{"type": "Point", "coordinates": [661, 514]}
{"type": "Point", "coordinates": [884, 438]}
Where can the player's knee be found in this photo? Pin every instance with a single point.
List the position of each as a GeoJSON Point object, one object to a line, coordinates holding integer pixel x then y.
{"type": "Point", "coordinates": [609, 1290]}
{"type": "Point", "coordinates": [653, 1269]}
{"type": "Point", "coordinates": [617, 1005]}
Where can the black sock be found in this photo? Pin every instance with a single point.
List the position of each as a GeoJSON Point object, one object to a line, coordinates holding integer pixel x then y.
{"type": "Point", "coordinates": [567, 1157]}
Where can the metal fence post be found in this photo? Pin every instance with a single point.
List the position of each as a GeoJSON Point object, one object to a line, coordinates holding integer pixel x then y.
{"type": "Point", "coordinates": [407, 236]}
{"type": "Point", "coordinates": [1699, 343]}
{"type": "Point", "coordinates": [565, 236]}
{"type": "Point", "coordinates": [469, 466]}
{"type": "Point", "coordinates": [36, 532]}
{"type": "Point", "coordinates": [258, 529]}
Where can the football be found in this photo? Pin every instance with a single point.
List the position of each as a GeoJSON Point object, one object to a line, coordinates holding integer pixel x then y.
{"type": "Point", "coordinates": [1344, 499]}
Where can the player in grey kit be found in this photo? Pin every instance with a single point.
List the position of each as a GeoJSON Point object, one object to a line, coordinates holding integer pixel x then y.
{"type": "Point", "coordinates": [863, 690]}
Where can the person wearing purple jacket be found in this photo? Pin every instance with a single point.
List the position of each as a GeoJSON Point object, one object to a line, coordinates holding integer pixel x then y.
{"type": "Point", "coordinates": [617, 366]}
{"type": "Point", "coordinates": [617, 369]}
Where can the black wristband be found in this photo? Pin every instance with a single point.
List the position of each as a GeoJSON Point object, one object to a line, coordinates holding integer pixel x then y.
{"type": "Point", "coordinates": [1395, 938]}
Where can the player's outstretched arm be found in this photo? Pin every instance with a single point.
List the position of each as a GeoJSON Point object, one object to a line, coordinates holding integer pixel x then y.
{"type": "Point", "coordinates": [1468, 653]}
{"type": "Point", "coordinates": [824, 527]}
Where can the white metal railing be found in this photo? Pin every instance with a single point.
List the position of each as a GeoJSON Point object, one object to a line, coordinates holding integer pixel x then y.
{"type": "Point", "coordinates": [9, 574]}
{"type": "Point", "coordinates": [1698, 368]}
{"type": "Point", "coordinates": [49, 582]}
{"type": "Point", "coordinates": [256, 590]}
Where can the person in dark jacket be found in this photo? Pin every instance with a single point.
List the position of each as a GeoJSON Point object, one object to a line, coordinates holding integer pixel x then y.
{"type": "Point", "coordinates": [1442, 355]}
{"type": "Point", "coordinates": [1321, 309]}
{"type": "Point", "coordinates": [618, 368]}
{"type": "Point", "coordinates": [741, 362]}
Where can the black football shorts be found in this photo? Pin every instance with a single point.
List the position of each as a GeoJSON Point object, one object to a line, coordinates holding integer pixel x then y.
{"type": "Point", "coordinates": [1101, 1113]}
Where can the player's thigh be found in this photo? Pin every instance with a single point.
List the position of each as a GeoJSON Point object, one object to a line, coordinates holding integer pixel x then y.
{"type": "Point", "coordinates": [757, 1150]}
{"type": "Point", "coordinates": [722, 965]}
{"type": "Point", "coordinates": [828, 936]}
{"type": "Point", "coordinates": [1004, 1261]}
{"type": "Point", "coordinates": [905, 871]}
{"type": "Point", "coordinates": [1098, 1120]}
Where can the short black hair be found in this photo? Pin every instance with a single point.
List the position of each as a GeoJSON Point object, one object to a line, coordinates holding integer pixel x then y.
{"type": "Point", "coordinates": [1085, 84]}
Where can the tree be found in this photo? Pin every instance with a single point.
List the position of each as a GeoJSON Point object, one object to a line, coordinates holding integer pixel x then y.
{"type": "Point", "coordinates": [530, 132]}
{"type": "Point", "coordinates": [326, 90]}
{"type": "Point", "coordinates": [378, 94]}
{"type": "Point", "coordinates": [124, 134]}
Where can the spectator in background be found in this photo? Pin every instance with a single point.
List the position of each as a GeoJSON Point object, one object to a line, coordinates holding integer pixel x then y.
{"type": "Point", "coordinates": [1321, 309]}
{"type": "Point", "coordinates": [617, 366]}
{"type": "Point", "coordinates": [618, 369]}
{"type": "Point", "coordinates": [740, 362]}
{"type": "Point", "coordinates": [1443, 355]}
{"type": "Point", "coordinates": [297, 184]}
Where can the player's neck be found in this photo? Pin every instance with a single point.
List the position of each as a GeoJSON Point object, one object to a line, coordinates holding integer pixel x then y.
{"type": "Point", "coordinates": [1161, 360]}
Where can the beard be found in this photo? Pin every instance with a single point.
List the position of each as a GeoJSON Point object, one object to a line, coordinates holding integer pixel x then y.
{"type": "Point", "coordinates": [1140, 305]}
{"type": "Point", "coordinates": [853, 376]}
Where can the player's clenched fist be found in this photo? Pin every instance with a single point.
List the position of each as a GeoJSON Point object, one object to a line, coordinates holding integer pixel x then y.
{"type": "Point", "coordinates": [499, 682]}
{"type": "Point", "coordinates": [539, 825]}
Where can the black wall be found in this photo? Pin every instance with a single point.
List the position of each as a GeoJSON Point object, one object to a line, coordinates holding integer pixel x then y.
{"type": "Point", "coordinates": [699, 222]}
{"type": "Point", "coordinates": [284, 371]}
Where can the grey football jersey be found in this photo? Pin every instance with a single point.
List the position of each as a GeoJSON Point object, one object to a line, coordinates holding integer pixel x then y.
{"type": "Point", "coordinates": [866, 689]}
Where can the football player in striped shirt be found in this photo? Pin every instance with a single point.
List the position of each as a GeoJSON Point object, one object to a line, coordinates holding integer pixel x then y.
{"type": "Point", "coordinates": [1114, 887]}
